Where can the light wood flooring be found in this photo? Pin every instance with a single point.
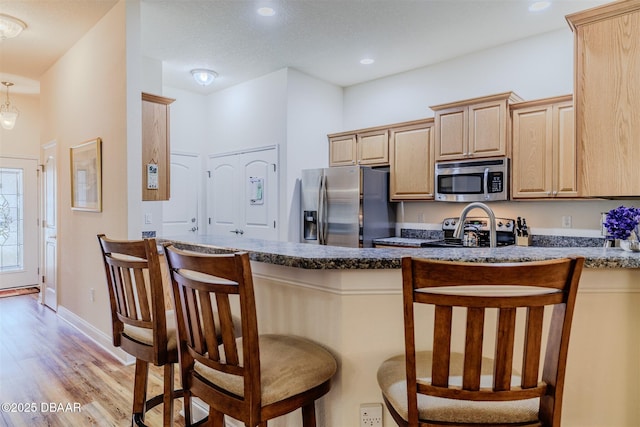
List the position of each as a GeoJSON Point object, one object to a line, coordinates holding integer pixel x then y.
{"type": "Point", "coordinates": [44, 361]}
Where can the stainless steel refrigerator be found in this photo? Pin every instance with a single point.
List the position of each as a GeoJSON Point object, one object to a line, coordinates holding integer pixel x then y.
{"type": "Point", "coordinates": [346, 206]}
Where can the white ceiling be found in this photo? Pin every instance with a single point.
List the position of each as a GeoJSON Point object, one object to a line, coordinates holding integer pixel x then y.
{"type": "Point", "coordinates": [323, 38]}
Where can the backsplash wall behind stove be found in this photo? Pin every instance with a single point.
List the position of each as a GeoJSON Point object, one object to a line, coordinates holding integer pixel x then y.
{"type": "Point", "coordinates": [543, 217]}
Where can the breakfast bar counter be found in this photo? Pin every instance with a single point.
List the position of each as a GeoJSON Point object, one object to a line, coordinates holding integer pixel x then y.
{"type": "Point", "coordinates": [307, 256]}
{"type": "Point", "coordinates": [349, 300]}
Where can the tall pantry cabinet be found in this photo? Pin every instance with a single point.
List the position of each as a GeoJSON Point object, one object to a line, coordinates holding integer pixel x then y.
{"type": "Point", "coordinates": [607, 98]}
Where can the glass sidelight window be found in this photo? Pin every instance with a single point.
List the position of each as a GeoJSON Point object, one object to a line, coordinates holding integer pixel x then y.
{"type": "Point", "coordinates": [11, 219]}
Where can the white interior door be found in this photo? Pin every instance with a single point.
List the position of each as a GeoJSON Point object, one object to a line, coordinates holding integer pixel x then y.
{"type": "Point", "coordinates": [242, 196]}
{"type": "Point", "coordinates": [49, 228]}
{"type": "Point", "coordinates": [180, 212]}
{"type": "Point", "coordinates": [18, 222]}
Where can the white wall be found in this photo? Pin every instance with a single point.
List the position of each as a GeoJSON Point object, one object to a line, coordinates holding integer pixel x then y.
{"type": "Point", "coordinates": [83, 96]}
{"type": "Point", "coordinates": [313, 106]}
{"type": "Point", "coordinates": [249, 115]}
{"type": "Point", "coordinates": [535, 67]}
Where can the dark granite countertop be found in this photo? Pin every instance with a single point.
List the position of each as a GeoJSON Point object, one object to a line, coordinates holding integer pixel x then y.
{"type": "Point", "coordinates": [308, 256]}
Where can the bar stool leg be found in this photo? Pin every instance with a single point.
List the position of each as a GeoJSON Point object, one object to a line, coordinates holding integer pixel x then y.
{"type": "Point", "coordinates": [140, 389]}
{"type": "Point", "coordinates": [167, 401]}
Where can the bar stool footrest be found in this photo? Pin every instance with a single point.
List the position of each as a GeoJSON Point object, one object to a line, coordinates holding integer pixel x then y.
{"type": "Point", "coordinates": [138, 418]}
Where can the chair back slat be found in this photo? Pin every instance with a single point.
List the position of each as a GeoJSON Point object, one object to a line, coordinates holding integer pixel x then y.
{"type": "Point", "coordinates": [142, 292]}
{"type": "Point", "coordinates": [130, 289]}
{"type": "Point", "coordinates": [209, 327]}
{"type": "Point", "coordinates": [442, 345]}
{"type": "Point", "coordinates": [491, 295]}
{"type": "Point", "coordinates": [473, 349]}
{"type": "Point", "coordinates": [532, 346]}
{"type": "Point", "coordinates": [227, 333]}
{"type": "Point", "coordinates": [505, 340]}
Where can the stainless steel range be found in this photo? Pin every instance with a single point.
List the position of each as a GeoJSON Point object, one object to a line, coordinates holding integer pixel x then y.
{"type": "Point", "coordinates": [476, 233]}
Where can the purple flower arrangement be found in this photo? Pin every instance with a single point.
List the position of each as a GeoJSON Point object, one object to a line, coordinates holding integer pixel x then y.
{"type": "Point", "coordinates": [623, 221]}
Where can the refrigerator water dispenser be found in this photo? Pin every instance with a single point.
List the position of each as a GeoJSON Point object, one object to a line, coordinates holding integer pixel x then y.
{"type": "Point", "coordinates": [311, 225]}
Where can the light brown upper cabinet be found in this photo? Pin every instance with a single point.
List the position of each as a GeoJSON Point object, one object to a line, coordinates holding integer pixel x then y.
{"type": "Point", "coordinates": [607, 98]}
{"type": "Point", "coordinates": [367, 147]}
{"type": "Point", "coordinates": [411, 160]}
{"type": "Point", "coordinates": [544, 149]}
{"type": "Point", "coordinates": [477, 127]}
{"type": "Point", "coordinates": [156, 149]}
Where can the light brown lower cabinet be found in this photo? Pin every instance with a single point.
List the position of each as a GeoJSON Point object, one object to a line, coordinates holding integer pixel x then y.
{"type": "Point", "coordinates": [544, 149]}
{"type": "Point", "coordinates": [411, 158]}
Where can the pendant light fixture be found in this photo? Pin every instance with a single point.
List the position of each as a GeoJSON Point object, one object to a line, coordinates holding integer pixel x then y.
{"type": "Point", "coordinates": [8, 113]}
{"type": "Point", "coordinates": [203, 76]}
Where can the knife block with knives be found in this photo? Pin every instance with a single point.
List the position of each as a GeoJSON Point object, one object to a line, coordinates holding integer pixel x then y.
{"type": "Point", "coordinates": [523, 237]}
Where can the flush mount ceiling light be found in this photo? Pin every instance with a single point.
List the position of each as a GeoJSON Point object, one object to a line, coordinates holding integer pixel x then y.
{"type": "Point", "coordinates": [8, 113]}
{"type": "Point", "coordinates": [367, 61]}
{"type": "Point", "coordinates": [10, 27]}
{"type": "Point", "coordinates": [539, 5]}
{"type": "Point", "coordinates": [203, 76]}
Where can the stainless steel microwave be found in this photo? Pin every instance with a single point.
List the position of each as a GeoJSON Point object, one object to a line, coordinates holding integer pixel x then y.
{"type": "Point", "coordinates": [478, 180]}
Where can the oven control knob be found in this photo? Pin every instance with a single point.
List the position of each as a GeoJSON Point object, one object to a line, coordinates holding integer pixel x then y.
{"type": "Point", "coordinates": [446, 223]}
{"type": "Point", "coordinates": [500, 224]}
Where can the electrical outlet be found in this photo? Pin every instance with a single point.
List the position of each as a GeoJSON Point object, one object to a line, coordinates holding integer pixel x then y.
{"type": "Point", "coordinates": [92, 295]}
{"type": "Point", "coordinates": [566, 221]}
{"type": "Point", "coordinates": [371, 415]}
{"type": "Point", "coordinates": [421, 217]}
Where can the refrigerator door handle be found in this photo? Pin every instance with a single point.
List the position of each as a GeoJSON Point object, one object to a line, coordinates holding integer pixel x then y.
{"type": "Point", "coordinates": [320, 230]}
{"type": "Point", "coordinates": [322, 211]}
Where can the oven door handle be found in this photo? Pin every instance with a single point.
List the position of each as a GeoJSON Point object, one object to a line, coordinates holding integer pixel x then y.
{"type": "Point", "coordinates": [486, 183]}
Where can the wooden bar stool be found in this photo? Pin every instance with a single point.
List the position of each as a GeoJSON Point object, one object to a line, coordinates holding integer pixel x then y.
{"type": "Point", "coordinates": [250, 378]}
{"type": "Point", "coordinates": [440, 387]}
{"type": "Point", "coordinates": [141, 326]}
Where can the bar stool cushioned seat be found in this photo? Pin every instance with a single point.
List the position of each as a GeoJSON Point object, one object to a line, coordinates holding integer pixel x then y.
{"type": "Point", "coordinates": [290, 365]}
{"type": "Point", "coordinates": [145, 335]}
{"type": "Point", "coordinates": [392, 379]}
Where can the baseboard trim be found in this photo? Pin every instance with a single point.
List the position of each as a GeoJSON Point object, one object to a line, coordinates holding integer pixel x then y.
{"type": "Point", "coordinates": [95, 335]}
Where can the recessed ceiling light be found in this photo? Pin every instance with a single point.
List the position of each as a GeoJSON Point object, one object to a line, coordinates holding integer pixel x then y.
{"type": "Point", "coordinates": [539, 5]}
{"type": "Point", "coordinates": [266, 11]}
{"type": "Point", "coordinates": [367, 61]}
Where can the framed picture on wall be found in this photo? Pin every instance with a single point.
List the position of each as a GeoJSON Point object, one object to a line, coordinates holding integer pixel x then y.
{"type": "Point", "coordinates": [86, 176]}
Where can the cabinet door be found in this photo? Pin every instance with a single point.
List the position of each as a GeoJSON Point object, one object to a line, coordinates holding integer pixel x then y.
{"type": "Point", "coordinates": [412, 162]}
{"type": "Point", "coordinates": [342, 150]}
{"type": "Point", "coordinates": [565, 167]}
{"type": "Point", "coordinates": [488, 129]}
{"type": "Point", "coordinates": [452, 133]}
{"type": "Point", "coordinates": [606, 99]}
{"type": "Point", "coordinates": [373, 148]}
{"type": "Point", "coordinates": [156, 148]}
{"type": "Point", "coordinates": [532, 160]}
